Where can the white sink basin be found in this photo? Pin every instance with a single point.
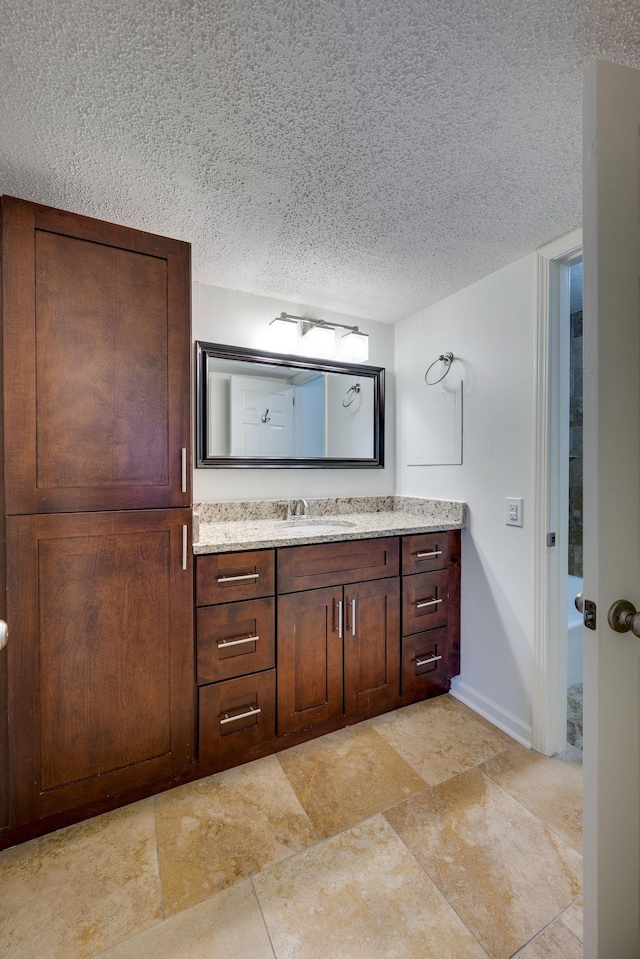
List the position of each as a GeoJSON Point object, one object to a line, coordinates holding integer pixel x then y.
{"type": "Point", "coordinates": [304, 525]}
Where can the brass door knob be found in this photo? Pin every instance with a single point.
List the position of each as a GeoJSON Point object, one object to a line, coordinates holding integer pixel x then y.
{"type": "Point", "coordinates": [622, 617]}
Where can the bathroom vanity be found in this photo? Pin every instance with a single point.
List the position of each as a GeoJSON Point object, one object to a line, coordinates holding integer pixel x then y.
{"type": "Point", "coordinates": [294, 640]}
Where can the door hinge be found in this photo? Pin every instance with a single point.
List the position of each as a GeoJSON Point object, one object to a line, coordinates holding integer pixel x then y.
{"type": "Point", "coordinates": [551, 539]}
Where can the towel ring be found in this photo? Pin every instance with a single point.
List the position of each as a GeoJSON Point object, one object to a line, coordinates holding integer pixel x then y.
{"type": "Point", "coordinates": [354, 390]}
{"type": "Point", "coordinates": [447, 359]}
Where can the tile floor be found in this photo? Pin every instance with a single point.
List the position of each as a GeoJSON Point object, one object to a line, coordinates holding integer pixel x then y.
{"type": "Point", "coordinates": [426, 833]}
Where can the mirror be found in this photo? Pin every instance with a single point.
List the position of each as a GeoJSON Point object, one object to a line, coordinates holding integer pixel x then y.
{"type": "Point", "coordinates": [258, 409]}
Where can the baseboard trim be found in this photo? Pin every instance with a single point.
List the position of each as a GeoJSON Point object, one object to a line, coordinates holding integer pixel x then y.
{"type": "Point", "coordinates": [502, 718]}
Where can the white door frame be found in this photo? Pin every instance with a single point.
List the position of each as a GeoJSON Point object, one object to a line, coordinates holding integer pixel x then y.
{"type": "Point", "coordinates": [550, 604]}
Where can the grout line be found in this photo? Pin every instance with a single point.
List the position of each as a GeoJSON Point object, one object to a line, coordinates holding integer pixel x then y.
{"type": "Point", "coordinates": [432, 880]}
{"type": "Point", "coordinates": [266, 927]}
{"type": "Point", "coordinates": [155, 830]}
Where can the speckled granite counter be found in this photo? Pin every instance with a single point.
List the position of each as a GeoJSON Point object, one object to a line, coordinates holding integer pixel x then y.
{"type": "Point", "coordinates": [228, 527]}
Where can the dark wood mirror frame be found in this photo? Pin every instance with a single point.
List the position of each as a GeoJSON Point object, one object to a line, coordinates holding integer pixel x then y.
{"type": "Point", "coordinates": [222, 351]}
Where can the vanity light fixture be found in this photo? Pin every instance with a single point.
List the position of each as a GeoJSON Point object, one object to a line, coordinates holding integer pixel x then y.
{"type": "Point", "coordinates": [318, 337]}
{"type": "Point", "coordinates": [355, 346]}
{"type": "Point", "coordinates": [285, 331]}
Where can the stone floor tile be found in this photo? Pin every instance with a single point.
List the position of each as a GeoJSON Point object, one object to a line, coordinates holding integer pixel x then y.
{"type": "Point", "coordinates": [347, 776]}
{"type": "Point", "coordinates": [556, 942]}
{"type": "Point", "coordinates": [77, 891]}
{"type": "Point", "coordinates": [216, 831]}
{"type": "Point", "coordinates": [360, 895]}
{"type": "Point", "coordinates": [227, 925]}
{"type": "Point", "coordinates": [505, 873]}
{"type": "Point", "coordinates": [573, 919]}
{"type": "Point", "coordinates": [548, 787]}
{"type": "Point", "coordinates": [441, 737]}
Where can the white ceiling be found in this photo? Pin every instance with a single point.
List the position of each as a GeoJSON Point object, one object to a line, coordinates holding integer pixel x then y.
{"type": "Point", "coordinates": [366, 156]}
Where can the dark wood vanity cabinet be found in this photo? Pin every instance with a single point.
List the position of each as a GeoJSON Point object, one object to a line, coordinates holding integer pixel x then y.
{"type": "Point", "coordinates": [338, 646]}
{"type": "Point", "coordinates": [96, 490]}
{"type": "Point", "coordinates": [297, 641]}
{"type": "Point", "coordinates": [235, 653]}
{"type": "Point", "coordinates": [430, 613]}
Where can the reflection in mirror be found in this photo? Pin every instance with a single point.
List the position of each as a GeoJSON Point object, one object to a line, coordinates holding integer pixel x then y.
{"type": "Point", "coordinates": [263, 409]}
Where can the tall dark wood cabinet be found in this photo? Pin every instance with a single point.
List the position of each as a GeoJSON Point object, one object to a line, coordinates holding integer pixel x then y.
{"type": "Point", "coordinates": [97, 470]}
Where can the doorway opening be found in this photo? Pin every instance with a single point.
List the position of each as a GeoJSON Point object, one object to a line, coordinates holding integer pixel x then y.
{"type": "Point", "coordinates": [558, 436]}
{"type": "Point", "coordinates": [575, 509]}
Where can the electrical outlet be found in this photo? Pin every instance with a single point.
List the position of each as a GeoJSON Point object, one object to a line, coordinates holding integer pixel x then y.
{"type": "Point", "coordinates": [514, 511]}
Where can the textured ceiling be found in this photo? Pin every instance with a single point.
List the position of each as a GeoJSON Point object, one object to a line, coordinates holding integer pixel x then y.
{"type": "Point", "coordinates": [367, 156]}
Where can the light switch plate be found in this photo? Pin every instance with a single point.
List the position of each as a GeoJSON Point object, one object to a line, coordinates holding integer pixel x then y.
{"type": "Point", "coordinates": [514, 511]}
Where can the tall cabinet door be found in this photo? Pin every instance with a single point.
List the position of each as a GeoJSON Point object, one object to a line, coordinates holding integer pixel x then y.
{"type": "Point", "coordinates": [100, 656]}
{"type": "Point", "coordinates": [96, 364]}
{"type": "Point", "coordinates": [371, 644]}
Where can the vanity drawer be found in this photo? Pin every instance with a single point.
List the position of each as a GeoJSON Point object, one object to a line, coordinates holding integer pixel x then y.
{"type": "Point", "coordinates": [425, 601]}
{"type": "Point", "coordinates": [334, 564]}
{"type": "Point", "coordinates": [429, 660]}
{"type": "Point", "coordinates": [225, 577]}
{"type": "Point", "coordinates": [234, 639]}
{"type": "Point", "coordinates": [428, 551]}
{"type": "Point", "coordinates": [236, 714]}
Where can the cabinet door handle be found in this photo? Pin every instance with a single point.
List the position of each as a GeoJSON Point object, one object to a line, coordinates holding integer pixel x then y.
{"type": "Point", "coordinates": [339, 626]}
{"type": "Point", "coordinates": [424, 662]}
{"type": "Point", "coordinates": [184, 469]}
{"type": "Point", "coordinates": [231, 719]}
{"type": "Point", "coordinates": [427, 602]}
{"type": "Point", "coordinates": [223, 643]}
{"type": "Point", "coordinates": [4, 634]}
{"type": "Point", "coordinates": [184, 546]}
{"type": "Point", "coordinates": [235, 579]}
{"type": "Point", "coordinates": [436, 552]}
{"type": "Point", "coordinates": [353, 617]}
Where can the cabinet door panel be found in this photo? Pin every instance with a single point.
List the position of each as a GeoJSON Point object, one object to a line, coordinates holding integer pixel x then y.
{"type": "Point", "coordinates": [309, 659]}
{"type": "Point", "coordinates": [332, 564]}
{"type": "Point", "coordinates": [235, 639]}
{"type": "Point", "coordinates": [426, 601]}
{"type": "Point", "coordinates": [230, 577]}
{"type": "Point", "coordinates": [372, 643]}
{"type": "Point", "coordinates": [101, 669]}
{"type": "Point", "coordinates": [97, 340]}
{"type": "Point", "coordinates": [236, 714]}
{"type": "Point", "coordinates": [425, 552]}
{"type": "Point", "coordinates": [429, 660]}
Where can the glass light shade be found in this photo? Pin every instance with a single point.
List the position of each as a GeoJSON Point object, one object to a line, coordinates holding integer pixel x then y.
{"type": "Point", "coordinates": [319, 340]}
{"type": "Point", "coordinates": [355, 346]}
{"type": "Point", "coordinates": [284, 335]}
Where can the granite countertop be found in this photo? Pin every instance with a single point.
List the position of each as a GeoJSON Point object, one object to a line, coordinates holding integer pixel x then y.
{"type": "Point", "coordinates": [227, 527]}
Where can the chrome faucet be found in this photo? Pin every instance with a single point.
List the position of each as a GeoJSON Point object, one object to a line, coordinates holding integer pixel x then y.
{"type": "Point", "coordinates": [301, 505]}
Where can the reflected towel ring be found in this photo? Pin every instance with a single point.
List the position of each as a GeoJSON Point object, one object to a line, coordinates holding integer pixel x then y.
{"type": "Point", "coordinates": [354, 390]}
{"type": "Point", "coordinates": [447, 359]}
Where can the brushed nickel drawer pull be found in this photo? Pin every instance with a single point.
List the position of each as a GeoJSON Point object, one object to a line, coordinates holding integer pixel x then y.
{"type": "Point", "coordinates": [339, 626]}
{"type": "Point", "coordinates": [428, 602]}
{"type": "Point", "coordinates": [232, 719]}
{"type": "Point", "coordinates": [184, 469]}
{"type": "Point", "coordinates": [425, 662]}
{"type": "Point", "coordinates": [235, 579]}
{"type": "Point", "coordinates": [223, 643]}
{"type": "Point", "coordinates": [436, 552]}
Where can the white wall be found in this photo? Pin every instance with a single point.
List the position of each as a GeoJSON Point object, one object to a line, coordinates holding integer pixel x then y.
{"type": "Point", "coordinates": [490, 328]}
{"type": "Point", "coordinates": [242, 319]}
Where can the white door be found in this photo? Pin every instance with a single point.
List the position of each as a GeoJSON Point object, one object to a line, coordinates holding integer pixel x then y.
{"type": "Point", "coordinates": [261, 417]}
{"type": "Point", "coordinates": [612, 509]}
